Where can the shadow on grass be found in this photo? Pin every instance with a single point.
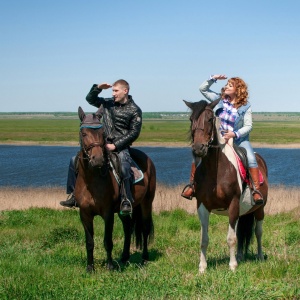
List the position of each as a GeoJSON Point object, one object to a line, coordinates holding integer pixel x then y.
{"type": "Point", "coordinates": [224, 260]}
{"type": "Point", "coordinates": [135, 260]}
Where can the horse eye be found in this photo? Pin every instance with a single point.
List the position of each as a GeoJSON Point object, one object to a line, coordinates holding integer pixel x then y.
{"type": "Point", "coordinates": [84, 134]}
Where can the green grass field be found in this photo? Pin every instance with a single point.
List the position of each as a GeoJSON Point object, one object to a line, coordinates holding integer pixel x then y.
{"type": "Point", "coordinates": [60, 130]}
{"type": "Point", "coordinates": [43, 257]}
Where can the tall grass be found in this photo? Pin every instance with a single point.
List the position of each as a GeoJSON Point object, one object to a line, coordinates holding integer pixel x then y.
{"type": "Point", "coordinates": [42, 250]}
{"type": "Point", "coordinates": [280, 199]}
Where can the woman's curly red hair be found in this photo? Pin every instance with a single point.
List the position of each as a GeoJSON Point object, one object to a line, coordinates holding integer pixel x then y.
{"type": "Point", "coordinates": [241, 91]}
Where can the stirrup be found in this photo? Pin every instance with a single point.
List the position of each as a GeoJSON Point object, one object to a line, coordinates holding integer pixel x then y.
{"type": "Point", "coordinates": [190, 185]}
{"type": "Point", "coordinates": [124, 213]}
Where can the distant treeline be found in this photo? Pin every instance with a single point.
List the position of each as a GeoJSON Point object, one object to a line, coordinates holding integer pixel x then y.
{"type": "Point", "coordinates": [146, 115]}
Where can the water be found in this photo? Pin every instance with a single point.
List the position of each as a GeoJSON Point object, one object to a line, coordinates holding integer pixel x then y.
{"type": "Point", "coordinates": [34, 166]}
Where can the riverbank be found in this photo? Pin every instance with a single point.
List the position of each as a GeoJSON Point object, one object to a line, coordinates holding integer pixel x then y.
{"type": "Point", "coordinates": [150, 144]}
{"type": "Point", "coordinates": [280, 199]}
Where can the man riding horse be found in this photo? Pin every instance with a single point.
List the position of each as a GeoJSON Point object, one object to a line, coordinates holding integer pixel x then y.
{"type": "Point", "coordinates": [122, 120]}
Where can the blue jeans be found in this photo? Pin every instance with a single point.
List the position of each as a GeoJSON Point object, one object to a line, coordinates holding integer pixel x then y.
{"type": "Point", "coordinates": [127, 174]}
{"type": "Point", "coordinates": [250, 153]}
{"type": "Point", "coordinates": [71, 176]}
{"type": "Point", "coordinates": [126, 161]}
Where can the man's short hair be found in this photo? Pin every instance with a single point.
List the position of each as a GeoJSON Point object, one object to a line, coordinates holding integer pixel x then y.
{"type": "Point", "coordinates": [123, 83]}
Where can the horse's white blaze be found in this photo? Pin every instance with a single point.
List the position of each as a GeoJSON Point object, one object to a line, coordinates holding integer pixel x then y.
{"type": "Point", "coordinates": [203, 214]}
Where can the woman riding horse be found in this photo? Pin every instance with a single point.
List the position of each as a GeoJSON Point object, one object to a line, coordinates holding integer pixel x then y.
{"type": "Point", "coordinates": [235, 114]}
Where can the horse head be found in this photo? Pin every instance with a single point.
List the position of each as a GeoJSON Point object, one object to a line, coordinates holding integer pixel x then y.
{"type": "Point", "coordinates": [202, 126]}
{"type": "Point", "coordinates": [91, 138]}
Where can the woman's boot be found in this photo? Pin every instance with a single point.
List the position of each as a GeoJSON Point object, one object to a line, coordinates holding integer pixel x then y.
{"type": "Point", "coordinates": [257, 196]}
{"type": "Point", "coordinates": [188, 191]}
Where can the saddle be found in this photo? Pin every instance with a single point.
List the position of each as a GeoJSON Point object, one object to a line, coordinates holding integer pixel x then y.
{"type": "Point", "coordinates": [242, 161]}
{"type": "Point", "coordinates": [115, 164]}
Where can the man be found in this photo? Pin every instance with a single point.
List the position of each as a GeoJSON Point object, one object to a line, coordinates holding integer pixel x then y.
{"type": "Point", "coordinates": [122, 120]}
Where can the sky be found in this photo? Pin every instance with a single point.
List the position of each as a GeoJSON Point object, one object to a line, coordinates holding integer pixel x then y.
{"type": "Point", "coordinates": [52, 52]}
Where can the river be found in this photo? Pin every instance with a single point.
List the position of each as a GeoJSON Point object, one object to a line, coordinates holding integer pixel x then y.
{"type": "Point", "coordinates": [35, 166]}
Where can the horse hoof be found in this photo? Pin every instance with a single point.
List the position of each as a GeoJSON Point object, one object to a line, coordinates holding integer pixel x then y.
{"type": "Point", "coordinates": [232, 267]}
{"type": "Point", "coordinates": [90, 269]}
{"type": "Point", "coordinates": [202, 270]}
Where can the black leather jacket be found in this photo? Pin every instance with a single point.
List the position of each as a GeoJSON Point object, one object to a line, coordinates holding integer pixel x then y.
{"type": "Point", "coordinates": [123, 122]}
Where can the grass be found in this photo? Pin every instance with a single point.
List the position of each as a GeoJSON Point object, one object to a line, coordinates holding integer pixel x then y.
{"type": "Point", "coordinates": [43, 253]}
{"type": "Point", "coordinates": [60, 130]}
{"type": "Point", "coordinates": [43, 257]}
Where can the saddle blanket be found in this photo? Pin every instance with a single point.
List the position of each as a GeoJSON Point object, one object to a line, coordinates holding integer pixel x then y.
{"type": "Point", "coordinates": [137, 172]}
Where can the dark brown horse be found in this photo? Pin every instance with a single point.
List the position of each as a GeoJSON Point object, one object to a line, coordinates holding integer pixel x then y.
{"type": "Point", "coordinates": [97, 193]}
{"type": "Point", "coordinates": [219, 188]}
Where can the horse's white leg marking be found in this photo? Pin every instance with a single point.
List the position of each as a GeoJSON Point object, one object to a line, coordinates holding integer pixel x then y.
{"type": "Point", "coordinates": [258, 234]}
{"type": "Point", "coordinates": [203, 214]}
{"type": "Point", "coordinates": [231, 241]}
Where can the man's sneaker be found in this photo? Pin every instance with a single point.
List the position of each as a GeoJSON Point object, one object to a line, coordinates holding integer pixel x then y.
{"type": "Point", "coordinates": [126, 208]}
{"type": "Point", "coordinates": [70, 202]}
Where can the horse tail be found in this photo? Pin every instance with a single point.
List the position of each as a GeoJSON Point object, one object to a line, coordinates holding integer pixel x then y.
{"type": "Point", "coordinates": [142, 227]}
{"type": "Point", "coordinates": [245, 230]}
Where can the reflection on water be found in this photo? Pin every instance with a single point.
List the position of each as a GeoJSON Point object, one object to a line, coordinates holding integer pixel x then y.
{"type": "Point", "coordinates": [47, 165]}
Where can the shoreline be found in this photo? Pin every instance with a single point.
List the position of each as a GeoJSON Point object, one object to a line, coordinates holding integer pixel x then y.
{"type": "Point", "coordinates": [148, 144]}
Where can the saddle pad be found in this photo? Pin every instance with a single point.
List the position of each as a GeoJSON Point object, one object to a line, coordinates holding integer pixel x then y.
{"type": "Point", "coordinates": [137, 172]}
{"type": "Point", "coordinates": [243, 172]}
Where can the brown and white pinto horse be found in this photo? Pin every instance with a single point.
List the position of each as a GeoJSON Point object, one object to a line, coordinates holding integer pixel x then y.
{"type": "Point", "coordinates": [219, 188]}
{"type": "Point", "coordinates": [97, 193]}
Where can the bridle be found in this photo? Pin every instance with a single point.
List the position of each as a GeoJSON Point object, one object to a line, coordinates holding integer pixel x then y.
{"type": "Point", "coordinates": [196, 127]}
{"type": "Point", "coordinates": [87, 148]}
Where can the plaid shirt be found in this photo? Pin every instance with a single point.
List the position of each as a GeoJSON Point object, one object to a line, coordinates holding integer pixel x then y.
{"type": "Point", "coordinates": [228, 116]}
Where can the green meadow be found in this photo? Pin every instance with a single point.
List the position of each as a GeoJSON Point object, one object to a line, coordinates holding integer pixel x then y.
{"type": "Point", "coordinates": [43, 252]}
{"type": "Point", "coordinates": [43, 257]}
{"type": "Point", "coordinates": [50, 129]}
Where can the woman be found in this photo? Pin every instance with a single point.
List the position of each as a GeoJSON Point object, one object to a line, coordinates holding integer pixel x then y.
{"type": "Point", "coordinates": [235, 114]}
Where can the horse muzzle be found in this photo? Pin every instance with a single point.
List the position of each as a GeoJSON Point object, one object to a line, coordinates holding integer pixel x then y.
{"type": "Point", "coordinates": [96, 160]}
{"type": "Point", "coordinates": [199, 150]}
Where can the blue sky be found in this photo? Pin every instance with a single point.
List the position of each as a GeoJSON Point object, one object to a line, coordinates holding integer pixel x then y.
{"type": "Point", "coordinates": [53, 51]}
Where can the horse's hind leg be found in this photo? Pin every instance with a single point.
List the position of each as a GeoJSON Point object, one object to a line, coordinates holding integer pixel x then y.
{"type": "Point", "coordinates": [127, 227]}
{"type": "Point", "coordinates": [108, 243]}
{"type": "Point", "coordinates": [203, 214]}
{"type": "Point", "coordinates": [87, 222]}
{"type": "Point", "coordinates": [147, 235]}
{"type": "Point", "coordinates": [259, 217]}
{"type": "Point", "coordinates": [258, 234]}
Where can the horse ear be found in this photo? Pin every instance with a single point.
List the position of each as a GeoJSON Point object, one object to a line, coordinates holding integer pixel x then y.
{"type": "Point", "coordinates": [214, 103]}
{"type": "Point", "coordinates": [188, 104]}
{"type": "Point", "coordinates": [81, 113]}
{"type": "Point", "coordinates": [99, 113]}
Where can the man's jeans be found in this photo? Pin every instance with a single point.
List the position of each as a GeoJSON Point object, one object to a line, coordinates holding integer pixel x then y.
{"type": "Point", "coordinates": [127, 174]}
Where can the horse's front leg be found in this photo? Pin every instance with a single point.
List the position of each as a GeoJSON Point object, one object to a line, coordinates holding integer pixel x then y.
{"type": "Point", "coordinates": [203, 214]}
{"type": "Point", "coordinates": [108, 243]}
{"type": "Point", "coordinates": [87, 222]}
{"type": "Point", "coordinates": [231, 236]}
